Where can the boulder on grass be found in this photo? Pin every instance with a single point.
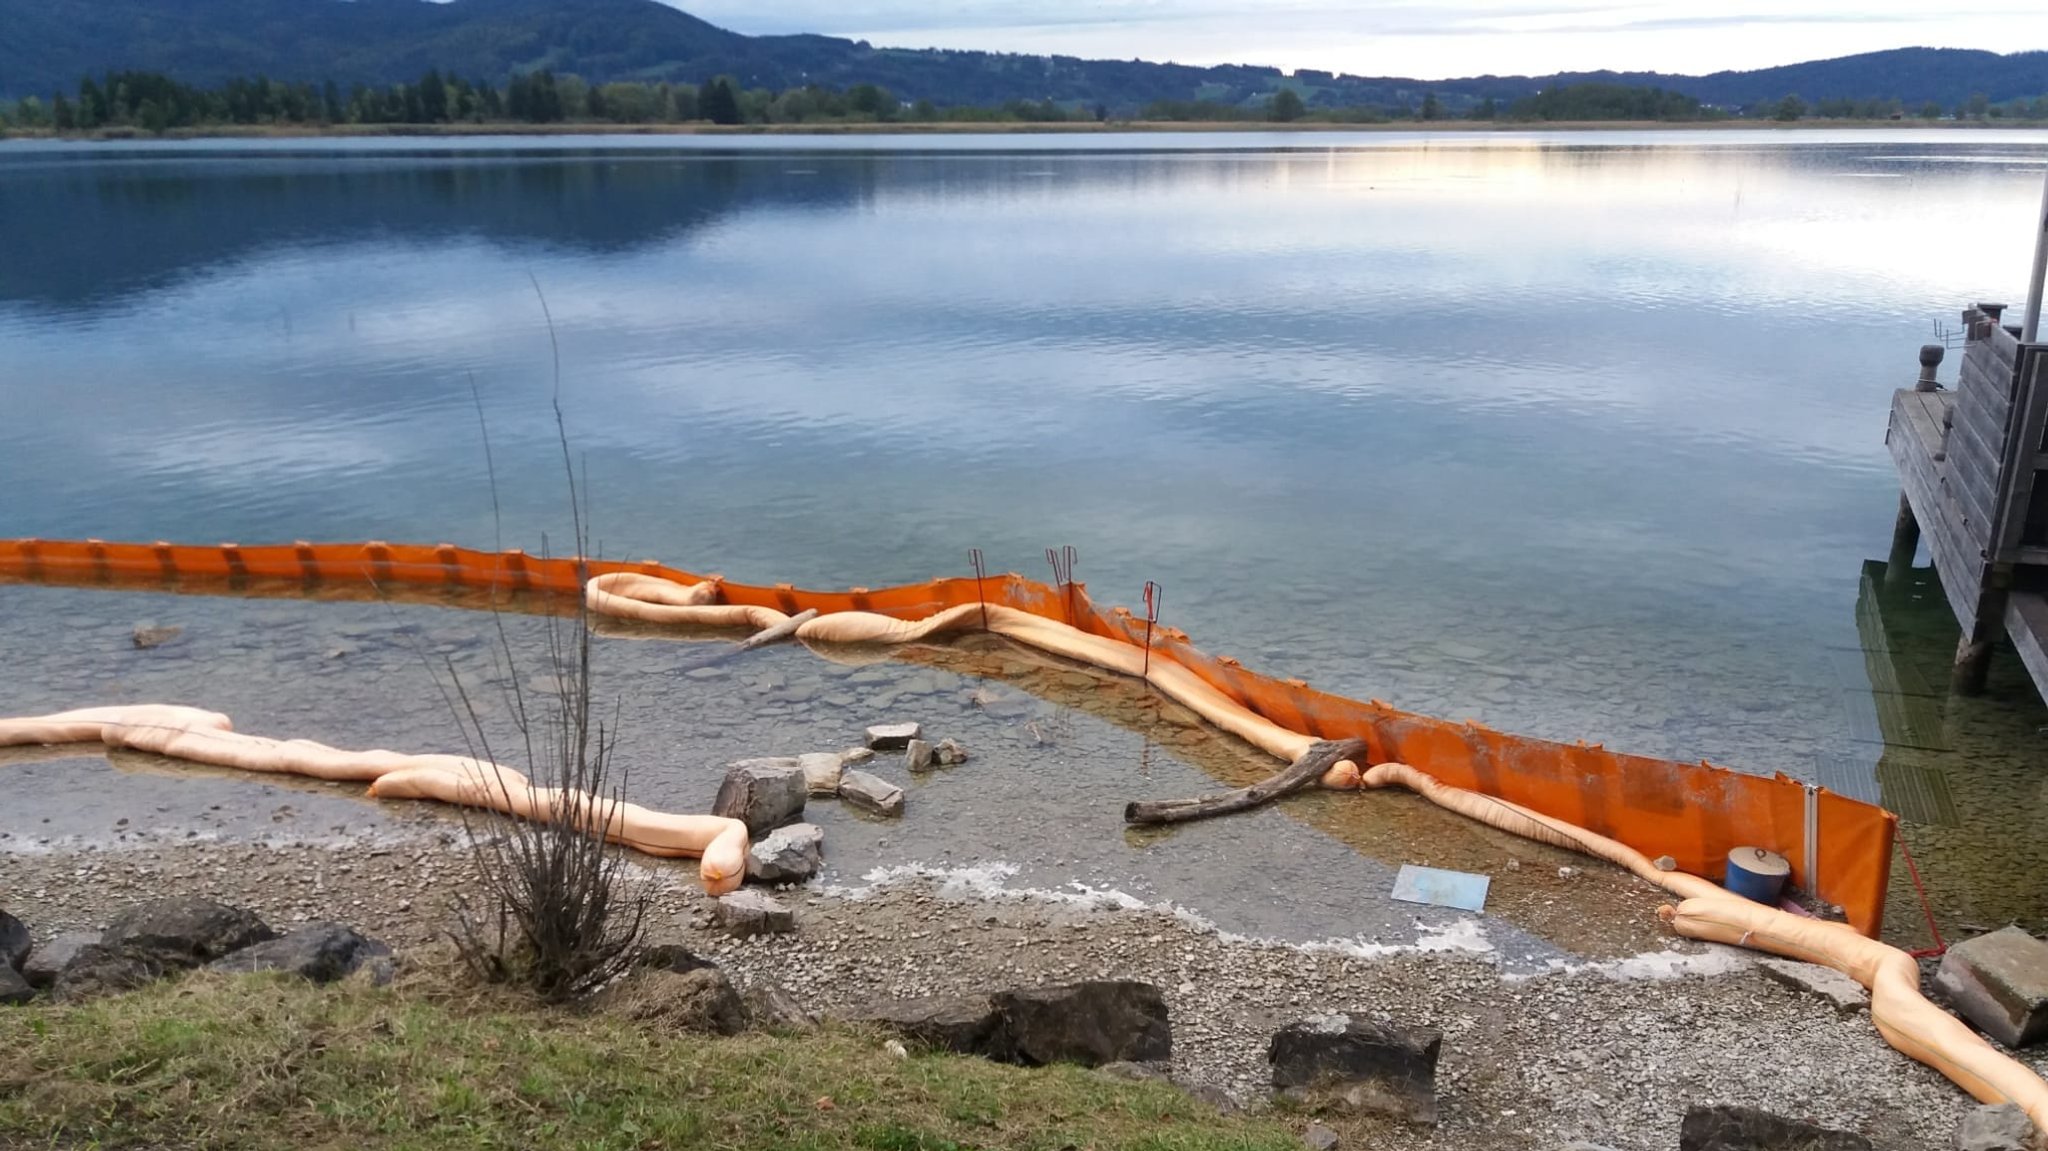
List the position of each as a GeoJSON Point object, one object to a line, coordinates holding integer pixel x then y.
{"type": "Point", "coordinates": [322, 952]}
{"type": "Point", "coordinates": [185, 931]}
{"type": "Point", "coordinates": [700, 1000]}
{"type": "Point", "coordinates": [770, 1007]}
{"type": "Point", "coordinates": [15, 943]}
{"type": "Point", "coordinates": [871, 793]}
{"type": "Point", "coordinates": [671, 957]}
{"type": "Point", "coordinates": [1725, 1128]}
{"type": "Point", "coordinates": [787, 855]}
{"type": "Point", "coordinates": [745, 913]}
{"type": "Point", "coordinates": [1370, 1067]}
{"type": "Point", "coordinates": [109, 969]}
{"type": "Point", "coordinates": [965, 1024]}
{"type": "Point", "coordinates": [2000, 983]}
{"type": "Point", "coordinates": [47, 962]}
{"type": "Point", "coordinates": [761, 794]}
{"type": "Point", "coordinates": [1108, 1021]}
{"type": "Point", "coordinates": [13, 988]}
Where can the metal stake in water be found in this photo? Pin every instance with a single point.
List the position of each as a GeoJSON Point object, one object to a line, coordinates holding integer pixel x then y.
{"type": "Point", "coordinates": [1062, 562]}
{"type": "Point", "coordinates": [1154, 596]}
{"type": "Point", "coordinates": [980, 575]}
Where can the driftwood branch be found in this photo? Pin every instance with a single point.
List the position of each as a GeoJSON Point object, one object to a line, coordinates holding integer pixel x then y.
{"type": "Point", "coordinates": [783, 630]}
{"type": "Point", "coordinates": [1318, 759]}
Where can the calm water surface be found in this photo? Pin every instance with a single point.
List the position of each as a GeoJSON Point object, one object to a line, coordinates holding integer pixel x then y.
{"type": "Point", "coordinates": [1580, 435]}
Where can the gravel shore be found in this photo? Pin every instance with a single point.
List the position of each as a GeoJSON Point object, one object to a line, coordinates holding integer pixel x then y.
{"type": "Point", "coordinates": [1608, 1053]}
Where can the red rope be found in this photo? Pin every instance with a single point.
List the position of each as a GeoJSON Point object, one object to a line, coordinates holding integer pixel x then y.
{"type": "Point", "coordinates": [1940, 945]}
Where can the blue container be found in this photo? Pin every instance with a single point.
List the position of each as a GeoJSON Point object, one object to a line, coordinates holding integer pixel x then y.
{"type": "Point", "coordinates": [1754, 873]}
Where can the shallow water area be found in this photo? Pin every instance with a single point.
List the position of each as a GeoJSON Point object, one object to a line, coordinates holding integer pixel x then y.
{"type": "Point", "coordinates": [1056, 752]}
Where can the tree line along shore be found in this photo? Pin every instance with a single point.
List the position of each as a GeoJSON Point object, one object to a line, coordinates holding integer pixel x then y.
{"type": "Point", "coordinates": [132, 103]}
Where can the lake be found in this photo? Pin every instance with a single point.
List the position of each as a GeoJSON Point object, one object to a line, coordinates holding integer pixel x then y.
{"type": "Point", "coordinates": [1581, 435]}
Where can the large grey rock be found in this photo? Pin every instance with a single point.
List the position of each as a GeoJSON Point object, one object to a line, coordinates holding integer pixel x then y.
{"type": "Point", "coordinates": [1319, 1138]}
{"type": "Point", "coordinates": [2000, 983]}
{"type": "Point", "coordinates": [47, 962]}
{"type": "Point", "coordinates": [2001, 1128]}
{"type": "Point", "coordinates": [1109, 1021]}
{"type": "Point", "coordinates": [108, 969]}
{"type": "Point", "coordinates": [966, 1024]}
{"type": "Point", "coordinates": [1839, 991]}
{"type": "Point", "coordinates": [787, 855]}
{"type": "Point", "coordinates": [1372, 1067]}
{"type": "Point", "coordinates": [700, 1000]}
{"type": "Point", "coordinates": [892, 736]}
{"type": "Point", "coordinates": [185, 931]}
{"type": "Point", "coordinates": [919, 756]}
{"type": "Point", "coordinates": [1726, 1128]}
{"type": "Point", "coordinates": [770, 1007]}
{"type": "Point", "coordinates": [761, 794]}
{"type": "Point", "coordinates": [15, 943]}
{"type": "Point", "coordinates": [745, 913]}
{"type": "Point", "coordinates": [871, 793]}
{"type": "Point", "coordinates": [821, 771]}
{"type": "Point", "coordinates": [13, 988]}
{"type": "Point", "coordinates": [322, 952]}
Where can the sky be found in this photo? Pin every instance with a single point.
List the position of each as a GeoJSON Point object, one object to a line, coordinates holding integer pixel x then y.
{"type": "Point", "coordinates": [1393, 38]}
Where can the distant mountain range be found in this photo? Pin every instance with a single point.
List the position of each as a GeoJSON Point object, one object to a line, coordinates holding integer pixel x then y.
{"type": "Point", "coordinates": [47, 45]}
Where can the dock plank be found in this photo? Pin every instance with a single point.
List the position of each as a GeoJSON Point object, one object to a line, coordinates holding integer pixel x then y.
{"type": "Point", "coordinates": [2026, 622]}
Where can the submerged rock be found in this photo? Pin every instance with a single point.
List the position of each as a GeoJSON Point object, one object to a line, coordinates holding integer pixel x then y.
{"type": "Point", "coordinates": [918, 756]}
{"type": "Point", "coordinates": [871, 793]}
{"type": "Point", "coordinates": [762, 794]}
{"type": "Point", "coordinates": [892, 736]}
{"type": "Point", "coordinates": [821, 772]}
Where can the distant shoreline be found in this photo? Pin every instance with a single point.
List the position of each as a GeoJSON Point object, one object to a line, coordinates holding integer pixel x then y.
{"type": "Point", "coordinates": [383, 131]}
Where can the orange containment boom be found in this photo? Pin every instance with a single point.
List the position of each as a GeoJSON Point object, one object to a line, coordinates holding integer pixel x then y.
{"type": "Point", "coordinates": [1840, 848]}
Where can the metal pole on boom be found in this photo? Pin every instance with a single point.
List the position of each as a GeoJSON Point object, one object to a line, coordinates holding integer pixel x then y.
{"type": "Point", "coordinates": [2030, 325]}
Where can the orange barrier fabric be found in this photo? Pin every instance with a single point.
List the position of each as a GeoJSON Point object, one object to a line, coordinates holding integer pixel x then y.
{"type": "Point", "coordinates": [1694, 812]}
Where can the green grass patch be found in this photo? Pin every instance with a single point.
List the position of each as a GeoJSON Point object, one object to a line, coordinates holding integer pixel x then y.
{"type": "Point", "coordinates": [268, 1062]}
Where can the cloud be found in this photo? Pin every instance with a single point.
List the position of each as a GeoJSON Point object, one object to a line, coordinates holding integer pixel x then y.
{"type": "Point", "coordinates": [1400, 38]}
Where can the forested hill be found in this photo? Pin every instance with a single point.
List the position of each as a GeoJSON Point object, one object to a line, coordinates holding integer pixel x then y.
{"type": "Point", "coordinates": [48, 45]}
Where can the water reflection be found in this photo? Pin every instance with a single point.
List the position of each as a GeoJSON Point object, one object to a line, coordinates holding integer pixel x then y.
{"type": "Point", "coordinates": [1581, 437]}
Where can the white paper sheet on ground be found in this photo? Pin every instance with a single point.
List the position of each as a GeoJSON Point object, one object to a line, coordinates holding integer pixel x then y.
{"type": "Point", "coordinates": [1440, 888]}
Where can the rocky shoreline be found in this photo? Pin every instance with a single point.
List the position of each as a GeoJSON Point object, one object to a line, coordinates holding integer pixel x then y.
{"type": "Point", "coordinates": [1609, 1054]}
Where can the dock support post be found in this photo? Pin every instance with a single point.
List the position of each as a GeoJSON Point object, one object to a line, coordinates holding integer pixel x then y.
{"type": "Point", "coordinates": [1898, 567]}
{"type": "Point", "coordinates": [1973, 662]}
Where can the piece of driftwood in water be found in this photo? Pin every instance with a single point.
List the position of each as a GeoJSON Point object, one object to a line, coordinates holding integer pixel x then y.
{"type": "Point", "coordinates": [1319, 758]}
{"type": "Point", "coordinates": [765, 636]}
{"type": "Point", "coordinates": [783, 630]}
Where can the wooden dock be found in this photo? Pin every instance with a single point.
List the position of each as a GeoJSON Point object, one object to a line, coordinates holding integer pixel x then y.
{"type": "Point", "coordinates": [1973, 474]}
